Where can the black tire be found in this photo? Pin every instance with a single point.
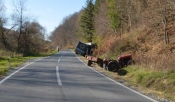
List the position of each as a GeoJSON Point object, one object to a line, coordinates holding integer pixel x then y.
{"type": "Point", "coordinates": [113, 66]}
{"type": "Point", "coordinates": [89, 63]}
{"type": "Point", "coordinates": [131, 62]}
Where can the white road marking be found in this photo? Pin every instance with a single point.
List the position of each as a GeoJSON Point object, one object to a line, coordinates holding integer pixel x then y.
{"type": "Point", "coordinates": [16, 72]}
{"type": "Point", "coordinates": [58, 76]}
{"type": "Point", "coordinates": [58, 60]}
{"type": "Point", "coordinates": [57, 71]}
{"type": "Point", "coordinates": [119, 83]}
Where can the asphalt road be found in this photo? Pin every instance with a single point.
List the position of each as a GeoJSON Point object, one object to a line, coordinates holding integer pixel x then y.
{"type": "Point", "coordinates": [63, 78]}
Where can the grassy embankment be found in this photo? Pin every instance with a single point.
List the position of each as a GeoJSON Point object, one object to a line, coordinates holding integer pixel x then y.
{"type": "Point", "coordinates": [155, 67]}
{"type": "Point", "coordinates": [14, 62]}
{"type": "Point", "coordinates": [161, 83]}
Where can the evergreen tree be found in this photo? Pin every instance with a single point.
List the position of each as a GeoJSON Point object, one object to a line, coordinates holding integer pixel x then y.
{"type": "Point", "coordinates": [97, 5]}
{"type": "Point", "coordinates": [113, 15]}
{"type": "Point", "coordinates": [87, 21]}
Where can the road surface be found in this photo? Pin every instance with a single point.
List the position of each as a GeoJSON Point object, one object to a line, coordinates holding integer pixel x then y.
{"type": "Point", "coordinates": [63, 78]}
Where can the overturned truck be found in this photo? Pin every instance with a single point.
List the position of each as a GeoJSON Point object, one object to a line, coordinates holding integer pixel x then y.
{"type": "Point", "coordinates": [85, 48]}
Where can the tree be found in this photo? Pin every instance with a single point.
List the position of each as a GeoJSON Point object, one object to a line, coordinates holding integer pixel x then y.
{"type": "Point", "coordinates": [33, 39]}
{"type": "Point", "coordinates": [4, 31]}
{"type": "Point", "coordinates": [2, 23]}
{"type": "Point", "coordinates": [65, 34]}
{"type": "Point", "coordinates": [167, 16]}
{"type": "Point", "coordinates": [102, 22]}
{"type": "Point", "coordinates": [29, 35]}
{"type": "Point", "coordinates": [161, 16]}
{"type": "Point", "coordinates": [87, 21]}
{"type": "Point", "coordinates": [97, 5]}
{"type": "Point", "coordinates": [113, 14]}
{"type": "Point", "coordinates": [19, 19]}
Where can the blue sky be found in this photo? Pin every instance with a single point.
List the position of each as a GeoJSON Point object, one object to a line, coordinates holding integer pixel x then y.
{"type": "Point", "coordinates": [49, 13]}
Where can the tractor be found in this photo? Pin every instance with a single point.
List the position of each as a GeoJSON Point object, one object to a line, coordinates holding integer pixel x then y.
{"type": "Point", "coordinates": [112, 65]}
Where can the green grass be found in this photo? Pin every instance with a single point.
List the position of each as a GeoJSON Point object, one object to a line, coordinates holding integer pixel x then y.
{"type": "Point", "coordinates": [14, 62]}
{"type": "Point", "coordinates": [160, 81]}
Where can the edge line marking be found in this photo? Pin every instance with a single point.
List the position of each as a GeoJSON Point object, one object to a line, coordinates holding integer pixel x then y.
{"type": "Point", "coordinates": [58, 76]}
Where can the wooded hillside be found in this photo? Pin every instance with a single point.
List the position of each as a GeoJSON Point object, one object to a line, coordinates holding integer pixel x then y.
{"type": "Point", "coordinates": [144, 28]}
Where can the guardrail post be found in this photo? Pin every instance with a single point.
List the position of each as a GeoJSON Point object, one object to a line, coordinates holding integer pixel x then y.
{"type": "Point", "coordinates": [104, 64]}
{"type": "Point", "coordinates": [9, 65]}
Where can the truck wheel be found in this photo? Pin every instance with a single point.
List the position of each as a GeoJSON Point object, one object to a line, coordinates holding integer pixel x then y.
{"type": "Point", "coordinates": [113, 66]}
{"type": "Point", "coordinates": [89, 63]}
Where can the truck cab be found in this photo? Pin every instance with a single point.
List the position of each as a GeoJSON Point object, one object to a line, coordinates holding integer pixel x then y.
{"type": "Point", "coordinates": [85, 48]}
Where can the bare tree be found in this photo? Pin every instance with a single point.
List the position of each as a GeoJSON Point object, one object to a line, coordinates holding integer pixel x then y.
{"type": "Point", "coordinates": [19, 19]}
{"type": "Point", "coordinates": [65, 34]}
{"type": "Point", "coordinates": [33, 38]}
{"type": "Point", "coordinates": [3, 30]}
{"type": "Point", "coordinates": [161, 14]}
{"type": "Point", "coordinates": [167, 15]}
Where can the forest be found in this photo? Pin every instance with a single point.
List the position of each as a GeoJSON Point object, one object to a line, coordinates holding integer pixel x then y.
{"type": "Point", "coordinates": [24, 36]}
{"type": "Point", "coordinates": [144, 28]}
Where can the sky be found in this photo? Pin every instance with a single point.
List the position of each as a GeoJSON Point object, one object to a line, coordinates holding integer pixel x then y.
{"type": "Point", "coordinates": [49, 13]}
